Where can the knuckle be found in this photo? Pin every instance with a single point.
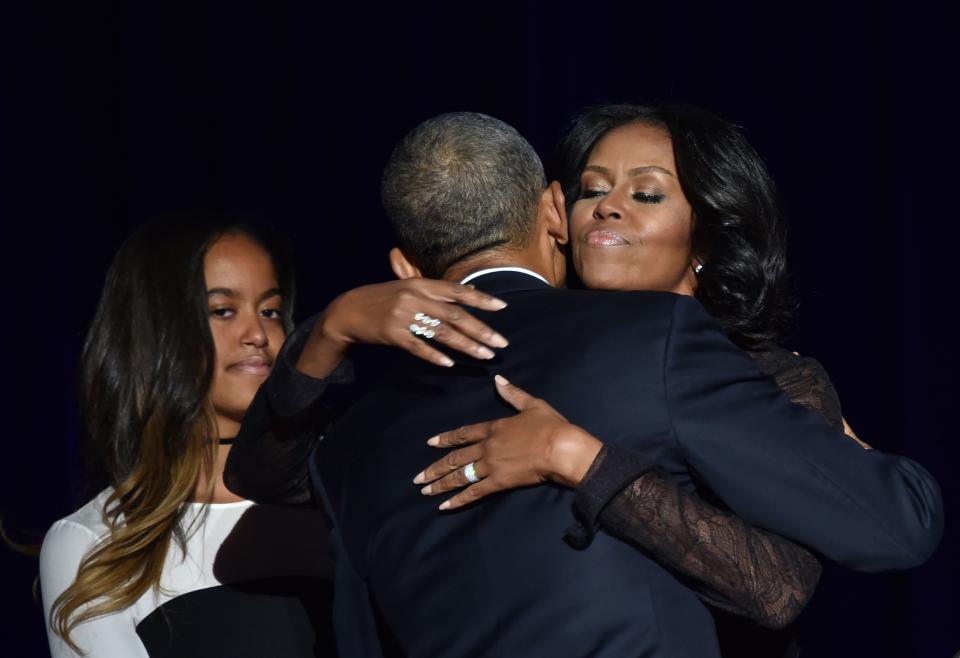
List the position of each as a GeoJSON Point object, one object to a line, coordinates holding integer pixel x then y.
{"type": "Point", "coordinates": [451, 460]}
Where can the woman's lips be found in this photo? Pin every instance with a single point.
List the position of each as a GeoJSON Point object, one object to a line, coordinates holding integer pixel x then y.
{"type": "Point", "coordinates": [254, 365]}
{"type": "Point", "coordinates": [604, 238]}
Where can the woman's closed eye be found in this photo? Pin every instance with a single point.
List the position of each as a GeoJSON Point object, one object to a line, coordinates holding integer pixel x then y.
{"type": "Point", "coordinates": [640, 197]}
{"type": "Point", "coordinates": [647, 197]}
{"type": "Point", "coordinates": [591, 193]}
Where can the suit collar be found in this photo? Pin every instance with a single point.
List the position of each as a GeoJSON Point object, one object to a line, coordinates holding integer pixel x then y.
{"type": "Point", "coordinates": [503, 280]}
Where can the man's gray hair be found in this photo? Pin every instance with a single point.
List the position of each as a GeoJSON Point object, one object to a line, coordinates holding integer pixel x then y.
{"type": "Point", "coordinates": [459, 184]}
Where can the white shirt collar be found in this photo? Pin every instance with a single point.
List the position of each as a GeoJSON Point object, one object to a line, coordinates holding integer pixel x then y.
{"type": "Point", "coordinates": [489, 270]}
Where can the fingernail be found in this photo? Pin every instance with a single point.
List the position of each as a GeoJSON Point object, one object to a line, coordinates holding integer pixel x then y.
{"type": "Point", "coordinates": [433, 441]}
{"type": "Point", "coordinates": [500, 304]}
{"type": "Point", "coordinates": [446, 361]}
{"type": "Point", "coordinates": [501, 380]}
{"type": "Point", "coordinates": [420, 478]}
{"type": "Point", "coordinates": [497, 340]}
{"type": "Point", "coordinates": [485, 353]}
{"type": "Point", "coordinates": [426, 490]}
{"type": "Point", "coordinates": [445, 504]}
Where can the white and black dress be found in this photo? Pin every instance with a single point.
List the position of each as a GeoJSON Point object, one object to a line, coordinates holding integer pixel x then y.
{"type": "Point", "coordinates": [253, 581]}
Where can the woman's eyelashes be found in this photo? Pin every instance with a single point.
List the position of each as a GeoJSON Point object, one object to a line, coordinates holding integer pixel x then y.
{"type": "Point", "coordinates": [641, 197]}
{"type": "Point", "coordinates": [647, 197]}
{"type": "Point", "coordinates": [591, 193]}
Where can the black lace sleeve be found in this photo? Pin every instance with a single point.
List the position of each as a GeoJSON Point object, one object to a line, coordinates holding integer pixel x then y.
{"type": "Point", "coordinates": [726, 561]}
{"type": "Point", "coordinates": [804, 380]}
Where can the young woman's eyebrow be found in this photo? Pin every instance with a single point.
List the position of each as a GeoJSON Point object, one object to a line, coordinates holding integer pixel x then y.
{"type": "Point", "coordinates": [273, 292]}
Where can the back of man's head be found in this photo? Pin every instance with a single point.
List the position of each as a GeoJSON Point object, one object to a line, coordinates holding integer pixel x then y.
{"type": "Point", "coordinates": [459, 184]}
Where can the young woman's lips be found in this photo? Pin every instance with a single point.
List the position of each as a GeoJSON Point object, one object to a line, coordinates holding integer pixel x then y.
{"type": "Point", "coordinates": [604, 238]}
{"type": "Point", "coordinates": [254, 365]}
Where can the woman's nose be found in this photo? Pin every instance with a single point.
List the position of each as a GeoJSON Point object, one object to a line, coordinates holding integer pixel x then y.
{"type": "Point", "coordinates": [609, 207]}
{"type": "Point", "coordinates": [254, 333]}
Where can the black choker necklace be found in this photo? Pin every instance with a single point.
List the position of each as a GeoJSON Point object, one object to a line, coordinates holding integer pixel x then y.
{"type": "Point", "coordinates": [226, 442]}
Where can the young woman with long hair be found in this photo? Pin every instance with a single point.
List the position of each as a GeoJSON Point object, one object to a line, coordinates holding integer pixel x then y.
{"type": "Point", "coordinates": [190, 319]}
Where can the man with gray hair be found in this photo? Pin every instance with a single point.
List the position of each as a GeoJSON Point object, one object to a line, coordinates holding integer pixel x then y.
{"type": "Point", "coordinates": [469, 203]}
{"type": "Point", "coordinates": [458, 185]}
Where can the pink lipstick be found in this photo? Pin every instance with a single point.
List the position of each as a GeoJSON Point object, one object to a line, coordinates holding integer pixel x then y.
{"type": "Point", "coordinates": [605, 238]}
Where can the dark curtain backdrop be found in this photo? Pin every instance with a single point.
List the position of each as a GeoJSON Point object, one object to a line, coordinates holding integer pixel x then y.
{"type": "Point", "coordinates": [113, 113]}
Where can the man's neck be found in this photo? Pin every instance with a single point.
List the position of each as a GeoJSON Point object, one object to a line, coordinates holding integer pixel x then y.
{"type": "Point", "coordinates": [493, 259]}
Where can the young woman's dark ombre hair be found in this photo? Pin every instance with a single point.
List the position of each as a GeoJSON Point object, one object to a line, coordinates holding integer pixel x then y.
{"type": "Point", "coordinates": [146, 373]}
{"type": "Point", "coordinates": [739, 230]}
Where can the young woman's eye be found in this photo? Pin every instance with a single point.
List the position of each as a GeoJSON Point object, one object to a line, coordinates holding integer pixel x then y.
{"type": "Point", "coordinates": [271, 313]}
{"type": "Point", "coordinates": [646, 197]}
{"type": "Point", "coordinates": [222, 313]}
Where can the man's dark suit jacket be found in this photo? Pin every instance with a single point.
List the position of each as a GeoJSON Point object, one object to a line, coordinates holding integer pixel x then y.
{"type": "Point", "coordinates": [650, 371]}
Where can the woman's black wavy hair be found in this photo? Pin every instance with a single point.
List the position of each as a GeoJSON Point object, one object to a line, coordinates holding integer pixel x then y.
{"type": "Point", "coordinates": [739, 230]}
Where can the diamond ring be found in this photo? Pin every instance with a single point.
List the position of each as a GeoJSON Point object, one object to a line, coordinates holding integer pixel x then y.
{"type": "Point", "coordinates": [424, 325]}
{"type": "Point", "coordinates": [470, 472]}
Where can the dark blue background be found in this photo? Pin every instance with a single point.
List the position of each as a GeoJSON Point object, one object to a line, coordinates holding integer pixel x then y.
{"type": "Point", "coordinates": [111, 113]}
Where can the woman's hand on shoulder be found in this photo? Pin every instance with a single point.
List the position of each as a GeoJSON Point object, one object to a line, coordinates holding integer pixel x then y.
{"type": "Point", "coordinates": [387, 314]}
{"type": "Point", "coordinates": [535, 446]}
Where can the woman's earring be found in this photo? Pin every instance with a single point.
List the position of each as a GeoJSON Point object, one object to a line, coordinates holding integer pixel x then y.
{"type": "Point", "coordinates": [698, 268]}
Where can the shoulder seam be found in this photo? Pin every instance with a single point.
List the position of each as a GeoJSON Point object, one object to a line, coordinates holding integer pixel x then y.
{"type": "Point", "coordinates": [65, 522]}
{"type": "Point", "coordinates": [667, 344]}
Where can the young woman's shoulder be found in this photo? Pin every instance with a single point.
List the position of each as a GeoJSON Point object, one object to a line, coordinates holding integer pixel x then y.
{"type": "Point", "coordinates": [86, 521]}
{"type": "Point", "coordinates": [65, 544]}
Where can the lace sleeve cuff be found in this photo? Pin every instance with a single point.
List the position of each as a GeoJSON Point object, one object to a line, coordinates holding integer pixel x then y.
{"type": "Point", "coordinates": [613, 469]}
{"type": "Point", "coordinates": [290, 391]}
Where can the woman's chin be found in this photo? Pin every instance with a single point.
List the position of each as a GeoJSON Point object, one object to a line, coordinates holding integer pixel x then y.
{"type": "Point", "coordinates": [605, 279]}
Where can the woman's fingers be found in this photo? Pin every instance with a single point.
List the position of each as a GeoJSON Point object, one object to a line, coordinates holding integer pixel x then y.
{"type": "Point", "coordinates": [451, 326]}
{"type": "Point", "coordinates": [455, 293]}
{"type": "Point", "coordinates": [465, 324]}
{"type": "Point", "coordinates": [458, 293]}
{"type": "Point", "coordinates": [423, 350]}
{"type": "Point", "coordinates": [462, 435]}
{"type": "Point", "coordinates": [450, 468]}
{"type": "Point", "coordinates": [518, 398]}
{"type": "Point", "coordinates": [472, 494]}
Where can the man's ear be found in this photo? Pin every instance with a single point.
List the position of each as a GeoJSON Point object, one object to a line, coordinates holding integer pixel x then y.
{"type": "Point", "coordinates": [402, 266]}
{"type": "Point", "coordinates": [554, 213]}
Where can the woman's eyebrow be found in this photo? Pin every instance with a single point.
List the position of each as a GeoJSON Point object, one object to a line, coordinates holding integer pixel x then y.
{"type": "Point", "coordinates": [227, 292]}
{"type": "Point", "coordinates": [273, 292]}
{"type": "Point", "coordinates": [649, 168]}
{"type": "Point", "coordinates": [598, 169]}
{"type": "Point", "coordinates": [636, 171]}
